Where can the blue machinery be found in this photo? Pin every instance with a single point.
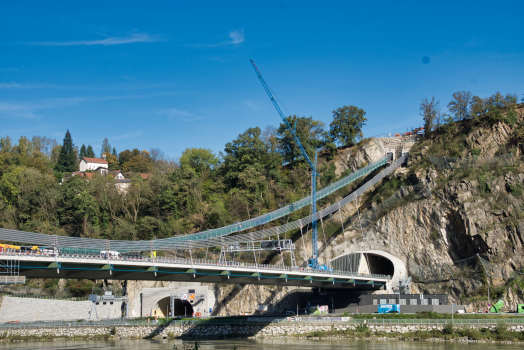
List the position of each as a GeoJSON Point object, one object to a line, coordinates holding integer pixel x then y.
{"type": "Point", "coordinates": [313, 262]}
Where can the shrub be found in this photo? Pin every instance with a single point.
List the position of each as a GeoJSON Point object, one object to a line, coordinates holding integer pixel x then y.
{"type": "Point", "coordinates": [476, 151]}
{"type": "Point", "coordinates": [434, 234]}
{"type": "Point", "coordinates": [112, 331]}
{"type": "Point", "coordinates": [501, 328]}
{"type": "Point", "coordinates": [448, 328]}
{"type": "Point", "coordinates": [473, 334]}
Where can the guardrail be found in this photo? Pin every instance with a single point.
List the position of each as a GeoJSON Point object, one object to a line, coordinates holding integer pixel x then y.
{"type": "Point", "coordinates": [198, 262]}
{"type": "Point", "coordinates": [46, 297]}
{"type": "Point", "coordinates": [262, 321]}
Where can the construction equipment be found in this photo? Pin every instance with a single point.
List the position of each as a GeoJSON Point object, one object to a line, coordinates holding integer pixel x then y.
{"type": "Point", "coordinates": [520, 308]}
{"type": "Point", "coordinates": [495, 308]}
{"type": "Point", "coordinates": [313, 262]}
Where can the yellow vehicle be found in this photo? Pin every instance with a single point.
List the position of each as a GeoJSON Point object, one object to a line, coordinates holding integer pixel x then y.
{"type": "Point", "coordinates": [8, 246]}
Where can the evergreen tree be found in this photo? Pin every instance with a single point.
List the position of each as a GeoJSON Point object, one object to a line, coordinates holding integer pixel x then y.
{"type": "Point", "coordinates": [67, 157]}
{"type": "Point", "coordinates": [89, 152]}
{"type": "Point", "coordinates": [114, 152]}
{"type": "Point", "coordinates": [83, 152]}
{"type": "Point", "coordinates": [106, 147]}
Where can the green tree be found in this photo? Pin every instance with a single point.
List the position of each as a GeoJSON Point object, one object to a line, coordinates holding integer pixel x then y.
{"type": "Point", "coordinates": [114, 152]}
{"type": "Point", "coordinates": [247, 150]}
{"type": "Point", "coordinates": [310, 133]}
{"type": "Point", "coordinates": [106, 147]}
{"type": "Point", "coordinates": [89, 152]}
{"type": "Point", "coordinates": [201, 160]}
{"type": "Point", "coordinates": [346, 127]}
{"type": "Point", "coordinates": [459, 105]}
{"type": "Point", "coordinates": [67, 159]}
{"type": "Point", "coordinates": [83, 152]}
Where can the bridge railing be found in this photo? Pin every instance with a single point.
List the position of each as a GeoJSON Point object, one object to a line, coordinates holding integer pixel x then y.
{"type": "Point", "coordinates": [197, 262]}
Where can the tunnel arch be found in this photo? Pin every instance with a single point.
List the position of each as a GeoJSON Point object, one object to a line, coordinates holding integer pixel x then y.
{"type": "Point", "coordinates": [162, 308]}
{"type": "Point", "coordinates": [372, 262]}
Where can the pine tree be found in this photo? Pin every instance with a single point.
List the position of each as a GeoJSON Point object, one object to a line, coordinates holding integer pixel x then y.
{"type": "Point", "coordinates": [90, 153]}
{"type": "Point", "coordinates": [83, 152]}
{"type": "Point", "coordinates": [114, 152]}
{"type": "Point", "coordinates": [106, 146]}
{"type": "Point", "coordinates": [67, 157]}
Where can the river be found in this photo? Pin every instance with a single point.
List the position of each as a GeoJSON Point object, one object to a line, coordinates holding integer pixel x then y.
{"type": "Point", "coordinates": [259, 344]}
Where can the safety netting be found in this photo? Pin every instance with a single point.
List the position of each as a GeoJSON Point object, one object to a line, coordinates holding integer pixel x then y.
{"type": "Point", "coordinates": [196, 240]}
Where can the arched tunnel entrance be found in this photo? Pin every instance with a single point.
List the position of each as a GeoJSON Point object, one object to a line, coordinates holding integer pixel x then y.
{"type": "Point", "coordinates": [380, 265]}
{"type": "Point", "coordinates": [162, 308]}
{"type": "Point", "coordinates": [364, 262]}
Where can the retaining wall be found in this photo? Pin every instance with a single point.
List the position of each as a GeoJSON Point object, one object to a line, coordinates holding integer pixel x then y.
{"type": "Point", "coordinates": [31, 309]}
{"type": "Point", "coordinates": [211, 331]}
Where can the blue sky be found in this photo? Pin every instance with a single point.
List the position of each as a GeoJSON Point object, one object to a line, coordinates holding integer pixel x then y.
{"type": "Point", "coordinates": [173, 75]}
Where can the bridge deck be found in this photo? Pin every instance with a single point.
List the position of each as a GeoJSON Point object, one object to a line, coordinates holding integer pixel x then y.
{"type": "Point", "coordinates": [198, 270]}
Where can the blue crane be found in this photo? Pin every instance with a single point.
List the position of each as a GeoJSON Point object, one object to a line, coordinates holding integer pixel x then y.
{"type": "Point", "coordinates": [313, 262]}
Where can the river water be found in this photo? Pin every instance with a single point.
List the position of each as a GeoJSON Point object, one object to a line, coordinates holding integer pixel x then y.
{"type": "Point", "coordinates": [244, 344]}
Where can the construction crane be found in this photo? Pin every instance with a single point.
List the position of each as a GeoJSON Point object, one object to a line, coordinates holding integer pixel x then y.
{"type": "Point", "coordinates": [313, 262]}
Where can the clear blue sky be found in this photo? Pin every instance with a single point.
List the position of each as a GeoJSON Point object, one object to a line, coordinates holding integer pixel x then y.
{"type": "Point", "coordinates": [175, 74]}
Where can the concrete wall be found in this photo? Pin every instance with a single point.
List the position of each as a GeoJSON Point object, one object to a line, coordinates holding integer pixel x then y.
{"type": "Point", "coordinates": [152, 296]}
{"type": "Point", "coordinates": [405, 309]}
{"type": "Point", "coordinates": [29, 309]}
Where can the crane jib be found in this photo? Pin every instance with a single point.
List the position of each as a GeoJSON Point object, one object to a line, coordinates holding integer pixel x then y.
{"type": "Point", "coordinates": [277, 107]}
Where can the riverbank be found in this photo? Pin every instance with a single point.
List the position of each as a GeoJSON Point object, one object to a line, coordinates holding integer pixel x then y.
{"type": "Point", "coordinates": [500, 332]}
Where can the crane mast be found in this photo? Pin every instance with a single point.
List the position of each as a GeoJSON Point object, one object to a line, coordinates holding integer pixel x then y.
{"type": "Point", "coordinates": [313, 262]}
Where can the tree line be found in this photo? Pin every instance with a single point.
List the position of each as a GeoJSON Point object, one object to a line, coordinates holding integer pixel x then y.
{"type": "Point", "coordinates": [257, 172]}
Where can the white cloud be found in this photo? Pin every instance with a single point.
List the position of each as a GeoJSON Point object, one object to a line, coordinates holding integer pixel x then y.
{"type": "Point", "coordinates": [251, 105]}
{"type": "Point", "coordinates": [114, 40]}
{"type": "Point", "coordinates": [172, 111]}
{"type": "Point", "coordinates": [237, 36]}
{"type": "Point", "coordinates": [178, 115]}
{"type": "Point", "coordinates": [28, 109]}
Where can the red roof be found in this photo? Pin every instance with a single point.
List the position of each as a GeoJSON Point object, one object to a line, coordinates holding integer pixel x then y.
{"type": "Point", "coordinates": [94, 160]}
{"type": "Point", "coordinates": [83, 174]}
{"type": "Point", "coordinates": [144, 176]}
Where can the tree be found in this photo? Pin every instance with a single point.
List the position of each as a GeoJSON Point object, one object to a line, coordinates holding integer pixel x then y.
{"type": "Point", "coordinates": [459, 106]}
{"type": "Point", "coordinates": [430, 111]}
{"type": "Point", "coordinates": [106, 147]}
{"type": "Point", "coordinates": [83, 152]}
{"type": "Point", "coordinates": [112, 161]}
{"type": "Point", "coordinates": [246, 150]}
{"type": "Point", "coordinates": [67, 159]}
{"type": "Point", "coordinates": [201, 160]}
{"type": "Point", "coordinates": [346, 127]}
{"type": "Point", "coordinates": [114, 152]}
{"type": "Point", "coordinates": [310, 133]}
{"type": "Point", "coordinates": [137, 164]}
{"type": "Point", "coordinates": [89, 152]}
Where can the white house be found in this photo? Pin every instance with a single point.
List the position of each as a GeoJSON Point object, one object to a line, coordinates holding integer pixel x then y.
{"type": "Point", "coordinates": [92, 164]}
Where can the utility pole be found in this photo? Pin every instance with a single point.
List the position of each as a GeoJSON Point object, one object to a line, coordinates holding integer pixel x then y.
{"type": "Point", "coordinates": [390, 131]}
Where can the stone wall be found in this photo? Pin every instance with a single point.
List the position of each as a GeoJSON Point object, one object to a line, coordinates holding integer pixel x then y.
{"type": "Point", "coordinates": [213, 331]}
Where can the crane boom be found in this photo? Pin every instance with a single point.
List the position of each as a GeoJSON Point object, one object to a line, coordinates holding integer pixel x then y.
{"type": "Point", "coordinates": [313, 262]}
{"type": "Point", "coordinates": [291, 130]}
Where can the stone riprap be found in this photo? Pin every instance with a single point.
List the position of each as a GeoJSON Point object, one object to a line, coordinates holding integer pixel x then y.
{"type": "Point", "coordinates": [31, 309]}
{"type": "Point", "coordinates": [213, 331]}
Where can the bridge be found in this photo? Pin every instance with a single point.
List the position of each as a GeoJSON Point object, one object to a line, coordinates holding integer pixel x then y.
{"type": "Point", "coordinates": [36, 265]}
{"type": "Point", "coordinates": [82, 258]}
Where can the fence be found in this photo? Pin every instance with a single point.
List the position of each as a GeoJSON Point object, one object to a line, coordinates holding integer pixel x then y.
{"type": "Point", "coordinates": [263, 321]}
{"type": "Point", "coordinates": [473, 161]}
